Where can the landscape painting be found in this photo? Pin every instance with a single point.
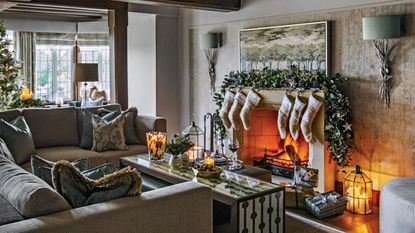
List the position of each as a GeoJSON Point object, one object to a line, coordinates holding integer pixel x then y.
{"type": "Point", "coordinates": [302, 45]}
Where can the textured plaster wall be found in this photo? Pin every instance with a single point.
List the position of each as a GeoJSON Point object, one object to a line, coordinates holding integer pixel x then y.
{"type": "Point", "coordinates": [384, 138]}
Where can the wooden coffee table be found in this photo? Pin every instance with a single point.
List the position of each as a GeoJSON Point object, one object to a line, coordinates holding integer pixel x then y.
{"type": "Point", "coordinates": [253, 205]}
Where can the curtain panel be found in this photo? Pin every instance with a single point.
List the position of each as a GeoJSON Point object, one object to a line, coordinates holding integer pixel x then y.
{"type": "Point", "coordinates": [25, 46]}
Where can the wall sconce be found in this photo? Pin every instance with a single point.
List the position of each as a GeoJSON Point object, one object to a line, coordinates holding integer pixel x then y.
{"type": "Point", "coordinates": [380, 29]}
{"type": "Point", "coordinates": [210, 42]}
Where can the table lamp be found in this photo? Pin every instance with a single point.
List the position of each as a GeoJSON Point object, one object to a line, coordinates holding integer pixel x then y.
{"type": "Point", "coordinates": [85, 72]}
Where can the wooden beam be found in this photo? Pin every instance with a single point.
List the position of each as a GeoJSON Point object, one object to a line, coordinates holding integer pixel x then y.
{"type": "Point", "coordinates": [118, 22]}
{"type": "Point", "coordinates": [98, 4]}
{"type": "Point", "coordinates": [216, 5]}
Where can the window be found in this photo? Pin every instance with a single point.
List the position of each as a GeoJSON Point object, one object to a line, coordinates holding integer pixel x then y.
{"type": "Point", "coordinates": [100, 55]}
{"type": "Point", "coordinates": [53, 72]}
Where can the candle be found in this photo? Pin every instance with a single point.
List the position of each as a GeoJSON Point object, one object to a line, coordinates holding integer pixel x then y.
{"type": "Point", "coordinates": [195, 152]}
{"type": "Point", "coordinates": [209, 162]}
{"type": "Point", "coordinates": [359, 202]}
{"type": "Point", "coordinates": [59, 101]}
{"type": "Point", "coordinates": [156, 145]}
{"type": "Point", "coordinates": [26, 94]}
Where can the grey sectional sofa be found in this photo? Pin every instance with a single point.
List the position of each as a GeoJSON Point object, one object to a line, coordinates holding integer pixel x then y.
{"type": "Point", "coordinates": [56, 133]}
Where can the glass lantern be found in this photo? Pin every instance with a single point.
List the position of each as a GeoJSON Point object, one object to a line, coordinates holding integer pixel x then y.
{"type": "Point", "coordinates": [195, 134]}
{"type": "Point", "coordinates": [358, 190]}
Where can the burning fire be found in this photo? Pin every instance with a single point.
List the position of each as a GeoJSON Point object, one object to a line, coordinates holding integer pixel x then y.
{"type": "Point", "coordinates": [288, 151]}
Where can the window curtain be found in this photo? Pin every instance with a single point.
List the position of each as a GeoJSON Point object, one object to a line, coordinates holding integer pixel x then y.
{"type": "Point", "coordinates": [25, 45]}
{"type": "Point", "coordinates": [90, 39]}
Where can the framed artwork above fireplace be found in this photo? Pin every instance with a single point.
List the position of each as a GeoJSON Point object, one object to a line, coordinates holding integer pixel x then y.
{"type": "Point", "coordinates": [279, 47]}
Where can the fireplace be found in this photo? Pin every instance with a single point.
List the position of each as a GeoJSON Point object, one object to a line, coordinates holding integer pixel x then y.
{"type": "Point", "coordinates": [263, 146]}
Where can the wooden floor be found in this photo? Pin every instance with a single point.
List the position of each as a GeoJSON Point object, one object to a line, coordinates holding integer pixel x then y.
{"type": "Point", "coordinates": [303, 221]}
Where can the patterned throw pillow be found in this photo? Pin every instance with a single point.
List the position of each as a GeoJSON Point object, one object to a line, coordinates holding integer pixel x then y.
{"type": "Point", "coordinates": [108, 135]}
{"type": "Point", "coordinates": [87, 129]}
{"type": "Point", "coordinates": [79, 190]}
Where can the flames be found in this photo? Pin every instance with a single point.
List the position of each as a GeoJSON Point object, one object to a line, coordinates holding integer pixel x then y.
{"type": "Point", "coordinates": [288, 151]}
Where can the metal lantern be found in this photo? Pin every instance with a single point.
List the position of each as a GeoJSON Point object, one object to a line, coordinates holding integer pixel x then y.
{"type": "Point", "coordinates": [195, 134]}
{"type": "Point", "coordinates": [358, 189]}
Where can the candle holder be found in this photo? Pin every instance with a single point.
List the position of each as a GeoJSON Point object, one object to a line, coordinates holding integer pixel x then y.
{"type": "Point", "coordinates": [358, 190]}
{"type": "Point", "coordinates": [156, 144]}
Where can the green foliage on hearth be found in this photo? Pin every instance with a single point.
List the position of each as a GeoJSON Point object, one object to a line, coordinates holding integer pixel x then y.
{"type": "Point", "coordinates": [11, 83]}
{"type": "Point", "coordinates": [338, 120]}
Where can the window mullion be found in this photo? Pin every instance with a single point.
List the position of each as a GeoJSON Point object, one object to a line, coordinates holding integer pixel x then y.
{"type": "Point", "coordinates": [54, 72]}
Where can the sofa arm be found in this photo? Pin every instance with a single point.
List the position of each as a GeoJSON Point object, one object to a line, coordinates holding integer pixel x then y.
{"type": "Point", "coordinates": [146, 124]}
{"type": "Point", "coordinates": [177, 208]}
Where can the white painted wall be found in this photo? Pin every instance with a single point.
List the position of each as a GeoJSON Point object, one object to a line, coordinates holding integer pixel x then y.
{"type": "Point", "coordinates": [153, 85]}
{"type": "Point", "coordinates": [168, 85]}
{"type": "Point", "coordinates": [142, 62]}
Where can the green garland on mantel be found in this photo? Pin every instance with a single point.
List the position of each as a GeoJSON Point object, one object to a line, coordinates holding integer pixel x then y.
{"type": "Point", "coordinates": [338, 120]}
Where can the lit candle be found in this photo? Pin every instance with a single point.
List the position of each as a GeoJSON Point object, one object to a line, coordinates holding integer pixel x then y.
{"type": "Point", "coordinates": [156, 143]}
{"type": "Point", "coordinates": [195, 152]}
{"type": "Point", "coordinates": [209, 162]}
{"type": "Point", "coordinates": [26, 94]}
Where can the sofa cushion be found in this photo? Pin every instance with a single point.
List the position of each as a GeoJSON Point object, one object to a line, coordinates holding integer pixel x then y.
{"type": "Point", "coordinates": [94, 110]}
{"type": "Point", "coordinates": [131, 137]}
{"type": "Point", "coordinates": [79, 190]}
{"type": "Point", "coordinates": [39, 164]}
{"type": "Point", "coordinates": [114, 156]}
{"type": "Point", "coordinates": [70, 153]}
{"type": "Point", "coordinates": [9, 115]}
{"type": "Point", "coordinates": [87, 128]}
{"type": "Point", "coordinates": [8, 213]}
{"type": "Point", "coordinates": [108, 135]}
{"type": "Point", "coordinates": [52, 127]}
{"type": "Point", "coordinates": [93, 173]}
{"type": "Point", "coordinates": [27, 193]}
{"type": "Point", "coordinates": [5, 152]}
{"type": "Point", "coordinates": [18, 138]}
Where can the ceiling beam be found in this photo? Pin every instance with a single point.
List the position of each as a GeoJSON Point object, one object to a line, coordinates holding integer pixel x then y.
{"type": "Point", "coordinates": [216, 5]}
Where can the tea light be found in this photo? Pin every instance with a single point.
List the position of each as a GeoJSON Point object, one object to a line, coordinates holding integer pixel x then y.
{"type": "Point", "coordinates": [209, 162]}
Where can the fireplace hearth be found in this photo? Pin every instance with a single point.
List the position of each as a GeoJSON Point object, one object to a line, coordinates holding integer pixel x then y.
{"type": "Point", "coordinates": [262, 145]}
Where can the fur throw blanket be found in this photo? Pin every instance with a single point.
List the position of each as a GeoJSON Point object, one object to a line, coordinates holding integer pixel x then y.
{"type": "Point", "coordinates": [79, 190]}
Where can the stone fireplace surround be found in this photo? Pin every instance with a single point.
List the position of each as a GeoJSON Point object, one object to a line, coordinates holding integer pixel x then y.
{"type": "Point", "coordinates": [318, 155]}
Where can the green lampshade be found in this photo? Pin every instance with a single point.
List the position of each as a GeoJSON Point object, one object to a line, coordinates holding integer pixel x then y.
{"type": "Point", "coordinates": [381, 27]}
{"type": "Point", "coordinates": [209, 40]}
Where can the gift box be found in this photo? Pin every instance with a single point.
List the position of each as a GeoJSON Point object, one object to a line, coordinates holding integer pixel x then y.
{"type": "Point", "coordinates": [326, 204]}
{"type": "Point", "coordinates": [295, 197]}
{"type": "Point", "coordinates": [306, 177]}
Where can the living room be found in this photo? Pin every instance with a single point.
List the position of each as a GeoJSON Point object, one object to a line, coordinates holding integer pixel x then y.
{"type": "Point", "coordinates": [207, 116]}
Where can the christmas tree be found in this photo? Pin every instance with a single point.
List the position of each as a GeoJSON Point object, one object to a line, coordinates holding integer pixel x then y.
{"type": "Point", "coordinates": [13, 94]}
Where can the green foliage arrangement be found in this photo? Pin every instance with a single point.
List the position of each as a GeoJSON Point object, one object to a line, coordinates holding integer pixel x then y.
{"type": "Point", "coordinates": [10, 82]}
{"type": "Point", "coordinates": [338, 120]}
{"type": "Point", "coordinates": [179, 145]}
